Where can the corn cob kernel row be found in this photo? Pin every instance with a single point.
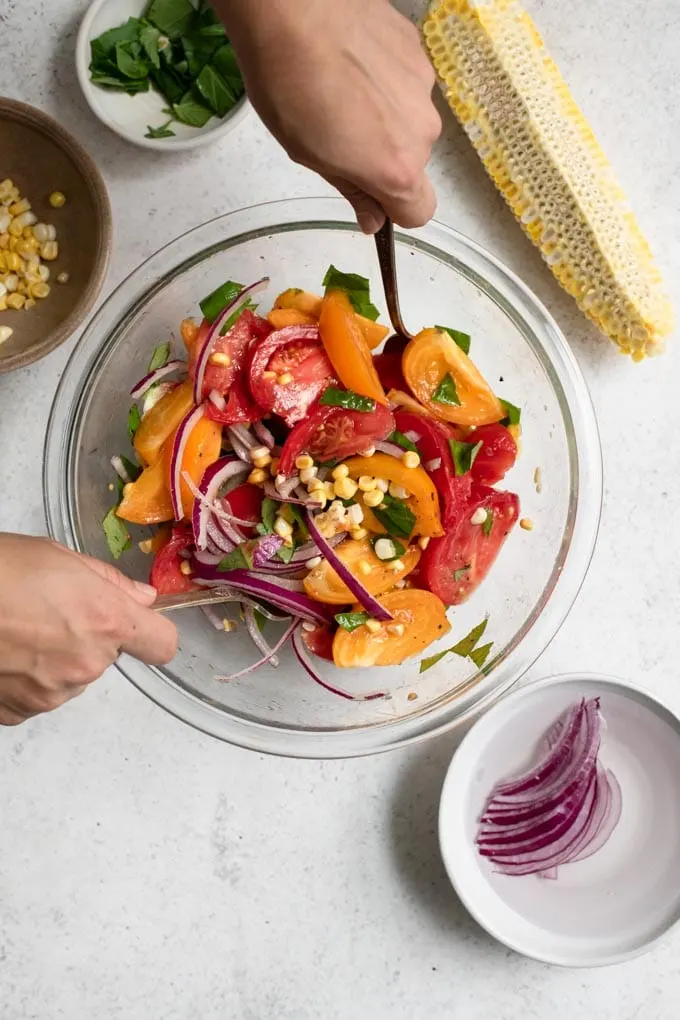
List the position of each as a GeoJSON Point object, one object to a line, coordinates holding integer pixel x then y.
{"type": "Point", "coordinates": [540, 152]}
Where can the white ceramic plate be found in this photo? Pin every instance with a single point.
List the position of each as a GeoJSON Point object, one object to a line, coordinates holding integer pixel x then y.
{"type": "Point", "coordinates": [611, 906]}
{"type": "Point", "coordinates": [130, 116]}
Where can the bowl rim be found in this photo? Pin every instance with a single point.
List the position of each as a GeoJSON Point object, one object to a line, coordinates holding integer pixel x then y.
{"type": "Point", "coordinates": [585, 463]}
{"type": "Point", "coordinates": [454, 791]}
{"type": "Point", "coordinates": [46, 125]}
{"type": "Point", "coordinates": [204, 135]}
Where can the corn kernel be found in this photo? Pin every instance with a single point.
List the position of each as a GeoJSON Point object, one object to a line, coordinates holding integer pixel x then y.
{"type": "Point", "coordinates": [44, 273]}
{"type": "Point", "coordinates": [16, 301]}
{"type": "Point", "coordinates": [274, 466]}
{"type": "Point", "coordinates": [314, 562]}
{"type": "Point", "coordinates": [62, 278]}
{"type": "Point", "coordinates": [40, 290]}
{"type": "Point", "coordinates": [398, 491]}
{"type": "Point", "coordinates": [384, 549]}
{"type": "Point", "coordinates": [329, 489]}
{"type": "Point", "coordinates": [218, 358]}
{"type": "Point", "coordinates": [284, 379]}
{"type": "Point", "coordinates": [396, 629]}
{"type": "Point", "coordinates": [282, 528]}
{"type": "Point", "coordinates": [30, 303]}
{"type": "Point", "coordinates": [341, 471]}
{"type": "Point", "coordinates": [13, 243]}
{"type": "Point", "coordinates": [25, 220]}
{"type": "Point", "coordinates": [49, 251]}
{"type": "Point", "coordinates": [16, 228]}
{"type": "Point", "coordinates": [185, 568]}
{"type": "Point", "coordinates": [5, 333]}
{"type": "Point", "coordinates": [358, 533]}
{"type": "Point", "coordinates": [316, 485]}
{"type": "Point", "coordinates": [15, 264]}
{"type": "Point", "coordinates": [320, 498]}
{"type": "Point", "coordinates": [382, 484]}
{"type": "Point", "coordinates": [397, 565]}
{"type": "Point", "coordinates": [229, 625]}
{"type": "Point", "coordinates": [3, 262]}
{"type": "Point", "coordinates": [345, 488]}
{"type": "Point", "coordinates": [364, 567]}
{"type": "Point", "coordinates": [20, 207]}
{"type": "Point", "coordinates": [307, 474]}
{"type": "Point", "coordinates": [374, 498]}
{"type": "Point", "coordinates": [57, 199]}
{"type": "Point", "coordinates": [257, 476]}
{"type": "Point", "coordinates": [262, 462]}
{"type": "Point", "coordinates": [368, 452]}
{"type": "Point", "coordinates": [269, 375]}
{"type": "Point", "coordinates": [373, 626]}
{"type": "Point", "coordinates": [4, 241]}
{"type": "Point", "coordinates": [11, 282]}
{"type": "Point", "coordinates": [304, 461]}
{"type": "Point", "coordinates": [410, 459]}
{"type": "Point", "coordinates": [3, 304]}
{"type": "Point", "coordinates": [355, 514]}
{"type": "Point", "coordinates": [526, 524]}
{"type": "Point", "coordinates": [41, 232]}
{"type": "Point", "coordinates": [366, 483]}
{"type": "Point", "coordinates": [423, 542]}
{"type": "Point", "coordinates": [479, 516]}
{"type": "Point", "coordinates": [27, 248]}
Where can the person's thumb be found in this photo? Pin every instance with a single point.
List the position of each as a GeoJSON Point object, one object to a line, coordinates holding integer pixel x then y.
{"type": "Point", "coordinates": [370, 215]}
{"type": "Point", "coordinates": [145, 594]}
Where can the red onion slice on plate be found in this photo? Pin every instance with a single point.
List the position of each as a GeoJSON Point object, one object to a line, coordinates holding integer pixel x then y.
{"type": "Point", "coordinates": [370, 604]}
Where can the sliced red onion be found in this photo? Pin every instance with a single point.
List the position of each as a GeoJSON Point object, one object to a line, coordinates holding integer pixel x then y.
{"type": "Point", "coordinates": [561, 810]}
{"type": "Point", "coordinates": [271, 653]}
{"type": "Point", "coordinates": [216, 329]}
{"type": "Point", "coordinates": [266, 549]}
{"type": "Point", "coordinates": [370, 604]}
{"type": "Point", "coordinates": [206, 506]}
{"type": "Point", "coordinates": [216, 398]}
{"type": "Point", "coordinates": [264, 435]}
{"type": "Point", "coordinates": [179, 445]}
{"type": "Point", "coordinates": [212, 614]}
{"type": "Point", "coordinates": [257, 636]}
{"type": "Point", "coordinates": [273, 493]}
{"type": "Point", "coordinates": [287, 487]}
{"type": "Point", "coordinates": [244, 435]}
{"type": "Point", "coordinates": [153, 377]}
{"type": "Point", "coordinates": [300, 650]}
{"type": "Point", "coordinates": [209, 559]}
{"type": "Point", "coordinates": [154, 394]}
{"type": "Point", "coordinates": [283, 593]}
{"type": "Point", "coordinates": [434, 464]}
{"type": "Point", "coordinates": [414, 437]}
{"type": "Point", "coordinates": [391, 448]}
{"type": "Point", "coordinates": [218, 539]}
{"type": "Point", "coordinates": [120, 469]}
{"type": "Point", "coordinates": [240, 449]}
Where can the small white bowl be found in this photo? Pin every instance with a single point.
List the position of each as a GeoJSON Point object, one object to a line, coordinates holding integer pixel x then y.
{"type": "Point", "coordinates": [129, 116]}
{"type": "Point", "coordinates": [609, 907]}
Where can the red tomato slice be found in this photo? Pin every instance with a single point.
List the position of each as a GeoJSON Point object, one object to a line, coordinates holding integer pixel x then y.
{"type": "Point", "coordinates": [294, 351]}
{"type": "Point", "coordinates": [240, 409]}
{"type": "Point", "coordinates": [453, 566]}
{"type": "Point", "coordinates": [454, 490]}
{"type": "Point", "coordinates": [247, 328]}
{"type": "Point", "coordinates": [245, 501]}
{"type": "Point", "coordinates": [319, 641]}
{"type": "Point", "coordinates": [166, 574]}
{"type": "Point", "coordinates": [497, 455]}
{"type": "Point", "coordinates": [333, 433]}
{"type": "Point", "coordinates": [388, 367]}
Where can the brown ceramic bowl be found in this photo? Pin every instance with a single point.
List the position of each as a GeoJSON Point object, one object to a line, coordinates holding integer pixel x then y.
{"type": "Point", "coordinates": [40, 157]}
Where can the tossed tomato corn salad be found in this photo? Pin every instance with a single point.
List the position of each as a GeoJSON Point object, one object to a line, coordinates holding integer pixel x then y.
{"type": "Point", "coordinates": [346, 493]}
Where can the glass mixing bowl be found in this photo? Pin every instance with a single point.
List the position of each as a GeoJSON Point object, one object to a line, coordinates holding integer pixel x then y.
{"type": "Point", "coordinates": [443, 278]}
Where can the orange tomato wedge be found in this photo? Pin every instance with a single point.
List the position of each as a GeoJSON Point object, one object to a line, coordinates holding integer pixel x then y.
{"type": "Point", "coordinates": [202, 449]}
{"type": "Point", "coordinates": [147, 501]}
{"type": "Point", "coordinates": [428, 359]}
{"type": "Point", "coordinates": [162, 420]}
{"type": "Point", "coordinates": [280, 317]}
{"type": "Point", "coordinates": [323, 583]}
{"type": "Point", "coordinates": [346, 347]}
{"type": "Point", "coordinates": [189, 331]}
{"type": "Point", "coordinates": [424, 501]}
{"type": "Point", "coordinates": [397, 398]}
{"type": "Point", "coordinates": [418, 619]}
{"type": "Point", "coordinates": [310, 304]}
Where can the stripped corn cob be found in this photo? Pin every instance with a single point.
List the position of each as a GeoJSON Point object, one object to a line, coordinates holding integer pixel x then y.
{"type": "Point", "coordinates": [543, 157]}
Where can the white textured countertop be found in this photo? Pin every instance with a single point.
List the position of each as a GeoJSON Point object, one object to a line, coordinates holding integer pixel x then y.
{"type": "Point", "coordinates": [148, 872]}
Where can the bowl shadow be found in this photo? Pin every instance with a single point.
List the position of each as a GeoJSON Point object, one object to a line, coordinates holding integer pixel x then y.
{"type": "Point", "coordinates": [414, 843]}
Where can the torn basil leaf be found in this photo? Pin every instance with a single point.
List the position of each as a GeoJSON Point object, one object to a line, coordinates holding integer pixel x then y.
{"type": "Point", "coordinates": [350, 621]}
{"type": "Point", "coordinates": [357, 289]}
{"type": "Point", "coordinates": [117, 535]}
{"type": "Point", "coordinates": [464, 455]}
{"type": "Point", "coordinates": [461, 339]}
{"type": "Point", "coordinates": [401, 440]}
{"type": "Point", "coordinates": [351, 401]}
{"type": "Point", "coordinates": [446, 392]}
{"type": "Point", "coordinates": [134, 420]}
{"type": "Point", "coordinates": [481, 654]}
{"type": "Point", "coordinates": [512, 414]}
{"type": "Point", "coordinates": [471, 640]}
{"type": "Point", "coordinates": [396, 517]}
{"type": "Point", "coordinates": [159, 357]}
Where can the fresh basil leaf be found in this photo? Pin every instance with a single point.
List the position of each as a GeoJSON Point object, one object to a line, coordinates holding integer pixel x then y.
{"type": "Point", "coordinates": [172, 17]}
{"type": "Point", "coordinates": [270, 509]}
{"type": "Point", "coordinates": [401, 440]}
{"type": "Point", "coordinates": [170, 86]}
{"type": "Point", "coordinates": [215, 91]}
{"type": "Point", "coordinates": [446, 392]}
{"type": "Point", "coordinates": [357, 289]}
{"type": "Point", "coordinates": [217, 301]}
{"type": "Point", "coordinates": [117, 535]}
{"type": "Point", "coordinates": [133, 470]}
{"type": "Point", "coordinates": [163, 131]}
{"type": "Point", "coordinates": [459, 574]}
{"type": "Point", "coordinates": [134, 419]}
{"type": "Point", "coordinates": [399, 549]}
{"type": "Point", "coordinates": [350, 621]}
{"type": "Point", "coordinates": [191, 111]}
{"type": "Point", "coordinates": [224, 61]}
{"type": "Point", "coordinates": [351, 401]}
{"type": "Point", "coordinates": [120, 485]}
{"type": "Point", "coordinates": [464, 455]}
{"type": "Point", "coordinates": [512, 413]}
{"type": "Point", "coordinates": [481, 654]}
{"type": "Point", "coordinates": [295, 512]}
{"type": "Point", "coordinates": [130, 62]}
{"type": "Point", "coordinates": [461, 339]}
{"type": "Point", "coordinates": [238, 558]}
{"type": "Point", "coordinates": [148, 38]}
{"type": "Point", "coordinates": [159, 357]}
{"type": "Point", "coordinates": [285, 553]}
{"type": "Point", "coordinates": [432, 660]}
{"type": "Point", "coordinates": [105, 44]}
{"type": "Point", "coordinates": [470, 641]}
{"type": "Point", "coordinates": [395, 516]}
{"type": "Point", "coordinates": [132, 88]}
{"type": "Point", "coordinates": [488, 523]}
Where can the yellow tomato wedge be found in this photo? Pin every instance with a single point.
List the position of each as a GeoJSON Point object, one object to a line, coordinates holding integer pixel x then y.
{"type": "Point", "coordinates": [424, 498]}
{"type": "Point", "coordinates": [397, 398]}
{"type": "Point", "coordinates": [189, 331]}
{"type": "Point", "coordinates": [162, 420]}
{"type": "Point", "coordinates": [202, 449]}
{"type": "Point", "coordinates": [323, 584]}
{"type": "Point", "coordinates": [418, 619]}
{"type": "Point", "coordinates": [310, 304]}
{"type": "Point", "coordinates": [346, 347]}
{"type": "Point", "coordinates": [432, 356]}
{"type": "Point", "coordinates": [281, 317]}
{"type": "Point", "coordinates": [147, 501]}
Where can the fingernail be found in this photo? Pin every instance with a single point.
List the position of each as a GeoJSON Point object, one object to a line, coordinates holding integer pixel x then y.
{"type": "Point", "coordinates": [146, 589]}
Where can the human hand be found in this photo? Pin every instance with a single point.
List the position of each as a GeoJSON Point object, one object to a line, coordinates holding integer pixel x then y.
{"type": "Point", "coordinates": [346, 88]}
{"type": "Point", "coordinates": [63, 619]}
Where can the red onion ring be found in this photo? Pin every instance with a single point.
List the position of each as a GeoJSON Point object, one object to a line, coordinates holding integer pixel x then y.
{"type": "Point", "coordinates": [303, 658]}
{"type": "Point", "coordinates": [391, 448]}
{"type": "Point", "coordinates": [153, 377]}
{"type": "Point", "coordinates": [264, 435]}
{"type": "Point", "coordinates": [257, 636]}
{"type": "Point", "coordinates": [184, 430]}
{"type": "Point", "coordinates": [216, 398]}
{"type": "Point", "coordinates": [271, 653]}
{"type": "Point", "coordinates": [370, 604]}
